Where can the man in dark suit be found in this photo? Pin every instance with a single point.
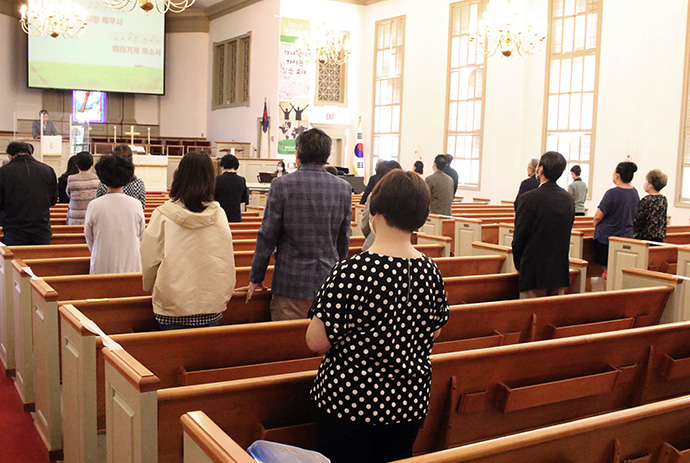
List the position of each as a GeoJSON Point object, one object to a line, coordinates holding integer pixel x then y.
{"type": "Point", "coordinates": [452, 173]}
{"type": "Point", "coordinates": [543, 223]}
{"type": "Point", "coordinates": [231, 189]}
{"type": "Point", "coordinates": [530, 183]}
{"type": "Point", "coordinates": [48, 126]}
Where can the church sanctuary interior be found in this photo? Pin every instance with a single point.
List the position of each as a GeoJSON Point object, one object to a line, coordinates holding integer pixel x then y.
{"type": "Point", "coordinates": [599, 373]}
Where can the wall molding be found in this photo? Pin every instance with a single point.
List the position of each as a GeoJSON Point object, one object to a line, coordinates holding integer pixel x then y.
{"type": "Point", "coordinates": [187, 21]}
{"type": "Point", "coordinates": [227, 7]}
{"type": "Point", "coordinates": [10, 8]}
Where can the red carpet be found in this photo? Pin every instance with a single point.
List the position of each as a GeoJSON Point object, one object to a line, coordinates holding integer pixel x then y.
{"type": "Point", "coordinates": [19, 441]}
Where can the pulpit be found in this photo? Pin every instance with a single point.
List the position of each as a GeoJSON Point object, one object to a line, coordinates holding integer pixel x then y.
{"type": "Point", "coordinates": [153, 170]}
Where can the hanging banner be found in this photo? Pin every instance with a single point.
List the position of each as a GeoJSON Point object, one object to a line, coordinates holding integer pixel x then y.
{"type": "Point", "coordinates": [293, 84]}
{"type": "Point", "coordinates": [359, 152]}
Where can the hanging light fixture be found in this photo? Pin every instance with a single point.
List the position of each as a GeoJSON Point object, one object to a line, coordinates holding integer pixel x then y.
{"type": "Point", "coordinates": [327, 47]}
{"type": "Point", "coordinates": [505, 28]}
{"type": "Point", "coordinates": [163, 6]}
{"type": "Point", "coordinates": [53, 18]}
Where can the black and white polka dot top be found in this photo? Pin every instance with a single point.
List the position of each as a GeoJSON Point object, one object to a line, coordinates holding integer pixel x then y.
{"type": "Point", "coordinates": [380, 314]}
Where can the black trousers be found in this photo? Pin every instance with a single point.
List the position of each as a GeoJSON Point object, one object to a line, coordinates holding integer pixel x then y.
{"type": "Point", "coordinates": [19, 238]}
{"type": "Point", "coordinates": [343, 441]}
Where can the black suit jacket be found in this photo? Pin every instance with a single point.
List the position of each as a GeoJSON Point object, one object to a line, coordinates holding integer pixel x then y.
{"type": "Point", "coordinates": [541, 241]}
{"type": "Point", "coordinates": [526, 185]}
{"type": "Point", "coordinates": [231, 190]}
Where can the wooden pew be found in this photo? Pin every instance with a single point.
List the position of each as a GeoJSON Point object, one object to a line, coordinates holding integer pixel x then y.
{"type": "Point", "coordinates": [189, 357]}
{"type": "Point", "coordinates": [655, 432]}
{"type": "Point", "coordinates": [475, 395]}
{"type": "Point", "coordinates": [678, 306]}
{"type": "Point", "coordinates": [631, 253]}
{"type": "Point", "coordinates": [7, 322]}
{"type": "Point", "coordinates": [44, 303]}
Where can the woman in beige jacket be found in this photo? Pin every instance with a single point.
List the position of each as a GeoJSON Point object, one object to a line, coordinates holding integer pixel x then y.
{"type": "Point", "coordinates": [186, 254]}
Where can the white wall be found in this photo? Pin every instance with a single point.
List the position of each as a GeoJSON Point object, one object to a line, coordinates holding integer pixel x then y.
{"type": "Point", "coordinates": [240, 123]}
{"type": "Point", "coordinates": [183, 108]}
{"type": "Point", "coordinates": [14, 96]}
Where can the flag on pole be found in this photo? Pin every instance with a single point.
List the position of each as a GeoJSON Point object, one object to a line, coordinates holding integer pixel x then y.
{"type": "Point", "coordinates": [359, 152]}
{"type": "Point", "coordinates": [264, 119]}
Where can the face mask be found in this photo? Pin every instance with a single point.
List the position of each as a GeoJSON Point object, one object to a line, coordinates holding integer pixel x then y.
{"type": "Point", "coordinates": [280, 169]}
{"type": "Point", "coordinates": [371, 225]}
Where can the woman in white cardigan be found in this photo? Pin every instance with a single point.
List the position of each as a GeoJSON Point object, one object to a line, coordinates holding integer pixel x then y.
{"type": "Point", "coordinates": [186, 255]}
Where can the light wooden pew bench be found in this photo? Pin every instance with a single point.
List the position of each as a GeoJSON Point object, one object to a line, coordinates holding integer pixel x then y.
{"type": "Point", "coordinates": [471, 326]}
{"type": "Point", "coordinates": [655, 432]}
{"type": "Point", "coordinates": [678, 305]}
{"type": "Point", "coordinates": [7, 324]}
{"type": "Point", "coordinates": [475, 395]}
{"type": "Point", "coordinates": [46, 295]}
{"type": "Point", "coordinates": [631, 253]}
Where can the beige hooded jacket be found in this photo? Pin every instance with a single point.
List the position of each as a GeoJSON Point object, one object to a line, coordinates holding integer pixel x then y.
{"type": "Point", "coordinates": [187, 259]}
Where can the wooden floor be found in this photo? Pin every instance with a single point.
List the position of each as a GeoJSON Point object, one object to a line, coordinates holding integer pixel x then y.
{"type": "Point", "coordinates": [19, 441]}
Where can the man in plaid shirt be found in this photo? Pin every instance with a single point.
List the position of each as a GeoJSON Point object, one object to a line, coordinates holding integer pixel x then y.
{"type": "Point", "coordinates": [306, 226]}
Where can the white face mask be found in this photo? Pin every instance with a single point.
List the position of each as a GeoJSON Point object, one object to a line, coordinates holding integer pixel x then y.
{"type": "Point", "coordinates": [371, 224]}
{"type": "Point", "coordinates": [280, 169]}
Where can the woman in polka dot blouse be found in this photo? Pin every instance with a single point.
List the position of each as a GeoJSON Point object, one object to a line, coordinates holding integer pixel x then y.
{"type": "Point", "coordinates": [376, 318]}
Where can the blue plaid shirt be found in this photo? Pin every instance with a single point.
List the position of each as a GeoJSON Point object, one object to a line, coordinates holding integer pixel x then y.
{"type": "Point", "coordinates": [307, 226]}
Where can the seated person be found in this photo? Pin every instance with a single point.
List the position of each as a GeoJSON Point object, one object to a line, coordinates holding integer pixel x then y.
{"type": "Point", "coordinates": [114, 224]}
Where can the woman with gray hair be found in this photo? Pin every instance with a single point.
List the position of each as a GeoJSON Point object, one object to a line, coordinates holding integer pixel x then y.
{"type": "Point", "coordinates": [650, 221]}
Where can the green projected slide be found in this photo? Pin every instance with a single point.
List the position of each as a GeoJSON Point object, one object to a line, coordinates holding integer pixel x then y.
{"type": "Point", "coordinates": [120, 51]}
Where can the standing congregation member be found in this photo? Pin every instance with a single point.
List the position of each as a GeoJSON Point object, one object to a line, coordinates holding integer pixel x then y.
{"type": "Point", "coordinates": [62, 179]}
{"type": "Point", "coordinates": [543, 223]}
{"type": "Point", "coordinates": [27, 190]}
{"type": "Point", "coordinates": [136, 188]}
{"type": "Point", "coordinates": [419, 167]}
{"type": "Point", "coordinates": [186, 255]}
{"type": "Point", "coordinates": [382, 168]}
{"type": "Point", "coordinates": [441, 187]}
{"type": "Point", "coordinates": [306, 226]}
{"type": "Point", "coordinates": [530, 183]}
{"type": "Point", "coordinates": [616, 212]}
{"type": "Point", "coordinates": [48, 126]}
{"type": "Point", "coordinates": [81, 189]}
{"type": "Point", "coordinates": [578, 190]}
{"type": "Point", "coordinates": [231, 189]}
{"type": "Point", "coordinates": [376, 318]}
{"type": "Point", "coordinates": [452, 173]}
{"type": "Point", "coordinates": [114, 225]}
{"type": "Point", "coordinates": [650, 221]}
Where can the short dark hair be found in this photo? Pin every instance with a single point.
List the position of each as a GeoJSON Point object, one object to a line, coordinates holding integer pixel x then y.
{"type": "Point", "coordinates": [449, 159]}
{"type": "Point", "coordinates": [402, 198]}
{"type": "Point", "coordinates": [18, 147]}
{"type": "Point", "coordinates": [553, 164]}
{"type": "Point", "coordinates": [441, 161]}
{"type": "Point", "coordinates": [313, 147]}
{"type": "Point", "coordinates": [229, 161]}
{"type": "Point", "coordinates": [626, 170]}
{"type": "Point", "coordinates": [657, 179]}
{"type": "Point", "coordinates": [123, 150]}
{"type": "Point", "coordinates": [383, 167]}
{"type": "Point", "coordinates": [42, 112]}
{"type": "Point", "coordinates": [419, 167]}
{"type": "Point", "coordinates": [194, 181]}
{"type": "Point", "coordinates": [114, 171]}
{"type": "Point", "coordinates": [576, 170]}
{"type": "Point", "coordinates": [84, 160]}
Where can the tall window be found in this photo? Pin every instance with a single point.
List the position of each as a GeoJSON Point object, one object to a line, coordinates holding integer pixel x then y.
{"type": "Point", "coordinates": [572, 76]}
{"type": "Point", "coordinates": [388, 81]}
{"type": "Point", "coordinates": [683, 171]}
{"type": "Point", "coordinates": [231, 72]}
{"type": "Point", "coordinates": [466, 77]}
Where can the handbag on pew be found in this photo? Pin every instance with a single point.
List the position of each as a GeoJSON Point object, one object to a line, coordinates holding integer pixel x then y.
{"type": "Point", "coordinates": [264, 451]}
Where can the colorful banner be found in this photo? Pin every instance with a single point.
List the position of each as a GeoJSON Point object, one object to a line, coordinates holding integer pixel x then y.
{"type": "Point", "coordinates": [359, 152]}
{"type": "Point", "coordinates": [293, 84]}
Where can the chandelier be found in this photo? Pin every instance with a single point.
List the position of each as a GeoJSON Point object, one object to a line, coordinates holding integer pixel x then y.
{"type": "Point", "coordinates": [326, 48]}
{"type": "Point", "coordinates": [504, 28]}
{"type": "Point", "coordinates": [163, 6]}
{"type": "Point", "coordinates": [53, 18]}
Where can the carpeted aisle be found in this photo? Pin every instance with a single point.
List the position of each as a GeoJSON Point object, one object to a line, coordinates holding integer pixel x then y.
{"type": "Point", "coordinates": [19, 441]}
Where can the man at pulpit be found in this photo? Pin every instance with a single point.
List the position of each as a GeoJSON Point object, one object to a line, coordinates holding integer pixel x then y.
{"type": "Point", "coordinates": [49, 127]}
